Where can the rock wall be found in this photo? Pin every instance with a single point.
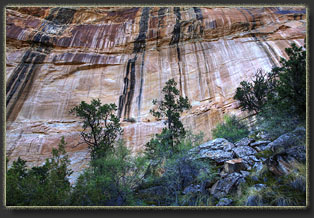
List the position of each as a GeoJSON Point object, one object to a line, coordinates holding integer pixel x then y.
{"type": "Point", "coordinates": [58, 57]}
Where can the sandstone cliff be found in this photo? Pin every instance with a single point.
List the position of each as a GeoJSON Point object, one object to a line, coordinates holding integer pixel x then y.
{"type": "Point", "coordinates": [57, 57]}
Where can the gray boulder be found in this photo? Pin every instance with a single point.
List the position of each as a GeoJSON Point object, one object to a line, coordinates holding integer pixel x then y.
{"type": "Point", "coordinates": [224, 202]}
{"type": "Point", "coordinates": [217, 144]}
{"type": "Point", "coordinates": [244, 142]}
{"type": "Point", "coordinates": [226, 185]}
{"type": "Point", "coordinates": [288, 140]}
{"type": "Point", "coordinates": [218, 150]}
{"type": "Point", "coordinates": [243, 151]}
{"type": "Point", "coordinates": [261, 145]}
{"type": "Point", "coordinates": [234, 165]}
{"type": "Point", "coordinates": [219, 156]}
{"type": "Point", "coordinates": [254, 200]}
{"type": "Point", "coordinates": [192, 189]}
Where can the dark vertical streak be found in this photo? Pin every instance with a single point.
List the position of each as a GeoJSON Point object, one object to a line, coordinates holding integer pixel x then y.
{"type": "Point", "coordinates": [253, 18]}
{"type": "Point", "coordinates": [126, 98]}
{"type": "Point", "coordinates": [41, 45]}
{"type": "Point", "coordinates": [161, 15]}
{"type": "Point", "coordinates": [130, 93]}
{"type": "Point", "coordinates": [199, 17]}
{"type": "Point", "coordinates": [176, 35]}
{"type": "Point", "coordinates": [260, 44]}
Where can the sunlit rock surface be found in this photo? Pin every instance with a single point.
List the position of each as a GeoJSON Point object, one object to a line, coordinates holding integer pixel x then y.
{"type": "Point", "coordinates": [58, 57]}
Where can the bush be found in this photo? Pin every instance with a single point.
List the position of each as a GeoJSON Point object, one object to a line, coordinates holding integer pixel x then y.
{"type": "Point", "coordinates": [111, 180]}
{"type": "Point", "coordinates": [273, 122]}
{"type": "Point", "coordinates": [254, 95]}
{"type": "Point", "coordinates": [46, 185]}
{"type": "Point", "coordinates": [165, 183]}
{"type": "Point", "coordinates": [231, 129]}
{"type": "Point", "coordinates": [283, 89]}
{"type": "Point", "coordinates": [170, 108]}
{"type": "Point", "coordinates": [101, 126]}
{"type": "Point", "coordinates": [289, 190]}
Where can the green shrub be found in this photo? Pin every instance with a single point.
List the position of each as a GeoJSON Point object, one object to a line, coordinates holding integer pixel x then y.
{"type": "Point", "coordinates": [275, 122]}
{"type": "Point", "coordinates": [254, 95]}
{"type": "Point", "coordinates": [283, 89]}
{"type": "Point", "coordinates": [111, 180]}
{"type": "Point", "coordinates": [165, 184]}
{"type": "Point", "coordinates": [170, 108]}
{"type": "Point", "coordinates": [231, 129]}
{"type": "Point", "coordinates": [46, 185]}
{"type": "Point", "coordinates": [289, 190]}
{"type": "Point", "coordinates": [101, 126]}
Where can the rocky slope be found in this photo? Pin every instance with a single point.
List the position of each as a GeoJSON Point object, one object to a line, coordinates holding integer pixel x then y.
{"type": "Point", "coordinates": [57, 57]}
{"type": "Point", "coordinates": [251, 172]}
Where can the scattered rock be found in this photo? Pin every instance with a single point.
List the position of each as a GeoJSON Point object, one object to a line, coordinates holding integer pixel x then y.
{"type": "Point", "coordinates": [260, 143]}
{"type": "Point", "coordinates": [243, 151]}
{"type": "Point", "coordinates": [224, 202]}
{"type": "Point", "coordinates": [226, 185]}
{"type": "Point", "coordinates": [244, 142]}
{"type": "Point", "coordinates": [288, 140]}
{"type": "Point", "coordinates": [218, 150]}
{"type": "Point", "coordinates": [234, 165]}
{"type": "Point", "coordinates": [254, 200]}
{"type": "Point", "coordinates": [192, 189]}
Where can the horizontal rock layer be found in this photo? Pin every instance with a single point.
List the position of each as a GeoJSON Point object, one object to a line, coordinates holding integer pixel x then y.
{"type": "Point", "coordinates": [58, 57]}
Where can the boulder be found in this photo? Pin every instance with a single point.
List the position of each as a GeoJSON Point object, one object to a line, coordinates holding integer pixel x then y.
{"type": "Point", "coordinates": [297, 152]}
{"type": "Point", "coordinates": [244, 142]}
{"type": "Point", "coordinates": [217, 144]}
{"type": "Point", "coordinates": [219, 156]}
{"type": "Point", "coordinates": [224, 202]}
{"type": "Point", "coordinates": [192, 189]}
{"type": "Point", "coordinates": [234, 165]}
{"type": "Point", "coordinates": [218, 150]}
{"type": "Point", "coordinates": [260, 145]}
{"type": "Point", "coordinates": [281, 165]}
{"type": "Point", "coordinates": [288, 140]}
{"type": "Point", "coordinates": [243, 151]}
{"type": "Point", "coordinates": [254, 200]}
{"type": "Point", "coordinates": [226, 185]}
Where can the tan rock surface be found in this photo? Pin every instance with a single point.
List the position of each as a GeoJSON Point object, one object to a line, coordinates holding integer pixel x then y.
{"type": "Point", "coordinates": [57, 57]}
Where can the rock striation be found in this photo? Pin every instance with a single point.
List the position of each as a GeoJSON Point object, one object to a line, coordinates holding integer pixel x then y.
{"type": "Point", "coordinates": [57, 57]}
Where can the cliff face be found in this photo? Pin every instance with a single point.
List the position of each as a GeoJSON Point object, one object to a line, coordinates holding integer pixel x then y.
{"type": "Point", "coordinates": [58, 57]}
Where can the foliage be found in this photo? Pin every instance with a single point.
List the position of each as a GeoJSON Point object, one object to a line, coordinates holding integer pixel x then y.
{"type": "Point", "coordinates": [253, 95]}
{"type": "Point", "coordinates": [46, 185]}
{"type": "Point", "coordinates": [289, 190]}
{"type": "Point", "coordinates": [170, 108]}
{"type": "Point", "coordinates": [231, 129]}
{"type": "Point", "coordinates": [291, 87]}
{"type": "Point", "coordinates": [166, 182]}
{"type": "Point", "coordinates": [101, 126]}
{"type": "Point", "coordinates": [274, 122]}
{"type": "Point", "coordinates": [283, 89]}
{"type": "Point", "coordinates": [111, 180]}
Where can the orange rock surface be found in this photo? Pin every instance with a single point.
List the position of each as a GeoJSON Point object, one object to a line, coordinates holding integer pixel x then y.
{"type": "Point", "coordinates": [58, 57]}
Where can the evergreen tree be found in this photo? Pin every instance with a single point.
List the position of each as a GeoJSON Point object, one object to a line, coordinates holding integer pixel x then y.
{"type": "Point", "coordinates": [46, 185]}
{"type": "Point", "coordinates": [291, 87]}
{"type": "Point", "coordinates": [101, 126]}
{"type": "Point", "coordinates": [169, 108]}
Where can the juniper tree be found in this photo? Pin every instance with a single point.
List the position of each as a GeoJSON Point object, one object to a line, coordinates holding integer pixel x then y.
{"type": "Point", "coordinates": [101, 126]}
{"type": "Point", "coordinates": [169, 108]}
